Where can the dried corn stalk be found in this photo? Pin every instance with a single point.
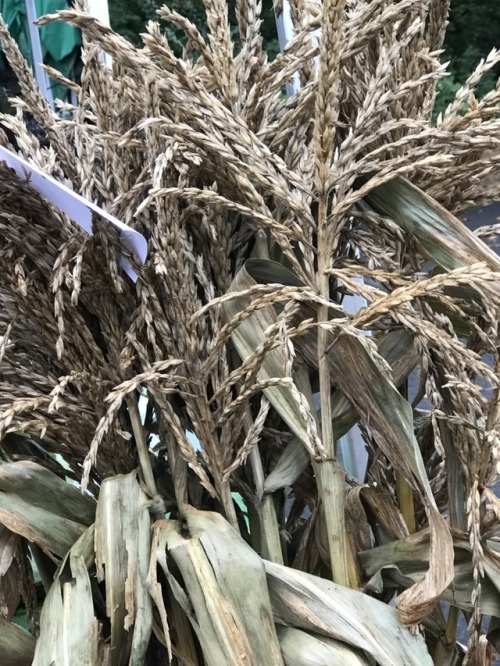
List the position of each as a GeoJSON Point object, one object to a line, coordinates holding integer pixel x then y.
{"type": "Point", "coordinates": [261, 214]}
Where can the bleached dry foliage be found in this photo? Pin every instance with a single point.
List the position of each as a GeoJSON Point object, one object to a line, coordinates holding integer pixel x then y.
{"type": "Point", "coordinates": [261, 214]}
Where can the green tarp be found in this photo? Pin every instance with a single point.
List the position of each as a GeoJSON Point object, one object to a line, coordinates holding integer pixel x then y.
{"type": "Point", "coordinates": [60, 41]}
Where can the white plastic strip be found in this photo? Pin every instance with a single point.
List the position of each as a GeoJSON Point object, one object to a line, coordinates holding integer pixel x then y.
{"type": "Point", "coordinates": [76, 207]}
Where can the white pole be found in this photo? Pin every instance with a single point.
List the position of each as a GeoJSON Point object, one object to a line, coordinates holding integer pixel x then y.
{"type": "Point", "coordinates": [285, 32]}
{"type": "Point", "coordinates": [36, 50]}
{"type": "Point", "coordinates": [100, 10]}
{"type": "Point", "coordinates": [351, 446]}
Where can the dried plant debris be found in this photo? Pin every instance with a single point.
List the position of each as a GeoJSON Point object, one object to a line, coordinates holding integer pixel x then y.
{"type": "Point", "coordinates": [166, 441]}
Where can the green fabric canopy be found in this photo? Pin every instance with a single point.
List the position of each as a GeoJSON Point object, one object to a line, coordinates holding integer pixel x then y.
{"type": "Point", "coordinates": [60, 41]}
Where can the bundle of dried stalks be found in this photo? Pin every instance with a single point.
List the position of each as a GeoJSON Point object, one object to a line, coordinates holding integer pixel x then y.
{"type": "Point", "coordinates": [261, 214]}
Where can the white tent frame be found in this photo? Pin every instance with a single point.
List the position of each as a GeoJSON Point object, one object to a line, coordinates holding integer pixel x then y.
{"type": "Point", "coordinates": [36, 49]}
{"type": "Point", "coordinates": [98, 8]}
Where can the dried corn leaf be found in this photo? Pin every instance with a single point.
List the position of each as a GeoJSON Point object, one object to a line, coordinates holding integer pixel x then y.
{"type": "Point", "coordinates": [301, 648]}
{"type": "Point", "coordinates": [42, 488]}
{"type": "Point", "coordinates": [159, 560]}
{"type": "Point", "coordinates": [444, 238]}
{"type": "Point", "coordinates": [16, 645]}
{"type": "Point", "coordinates": [185, 647]}
{"type": "Point", "coordinates": [390, 419]}
{"type": "Point", "coordinates": [384, 508]}
{"type": "Point", "coordinates": [122, 547]}
{"type": "Point", "coordinates": [358, 527]}
{"type": "Point", "coordinates": [401, 563]}
{"type": "Point", "coordinates": [10, 575]}
{"type": "Point", "coordinates": [251, 333]}
{"type": "Point", "coordinates": [398, 349]}
{"type": "Point", "coordinates": [69, 630]}
{"type": "Point", "coordinates": [220, 584]}
{"type": "Point", "coordinates": [138, 598]}
{"type": "Point", "coordinates": [36, 504]}
{"type": "Point", "coordinates": [289, 466]}
{"type": "Point", "coordinates": [459, 594]}
{"type": "Point", "coordinates": [412, 549]}
{"type": "Point", "coordinates": [48, 530]}
{"type": "Point", "coordinates": [43, 508]}
{"type": "Point", "coordinates": [316, 605]}
{"type": "Point", "coordinates": [266, 271]}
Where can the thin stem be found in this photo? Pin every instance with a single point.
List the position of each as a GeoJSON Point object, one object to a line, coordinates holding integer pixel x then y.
{"type": "Point", "coordinates": [491, 422]}
{"type": "Point", "coordinates": [331, 479]}
{"type": "Point", "coordinates": [224, 490]}
{"type": "Point", "coordinates": [405, 500]}
{"type": "Point", "coordinates": [142, 450]}
{"type": "Point", "coordinates": [270, 535]}
{"type": "Point", "coordinates": [445, 647]}
{"type": "Point", "coordinates": [269, 527]}
{"type": "Point", "coordinates": [142, 446]}
{"type": "Point", "coordinates": [404, 491]}
{"type": "Point", "coordinates": [178, 468]}
{"type": "Point", "coordinates": [324, 370]}
{"type": "Point", "coordinates": [451, 625]}
{"type": "Point", "coordinates": [207, 436]}
{"type": "Point", "coordinates": [331, 488]}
